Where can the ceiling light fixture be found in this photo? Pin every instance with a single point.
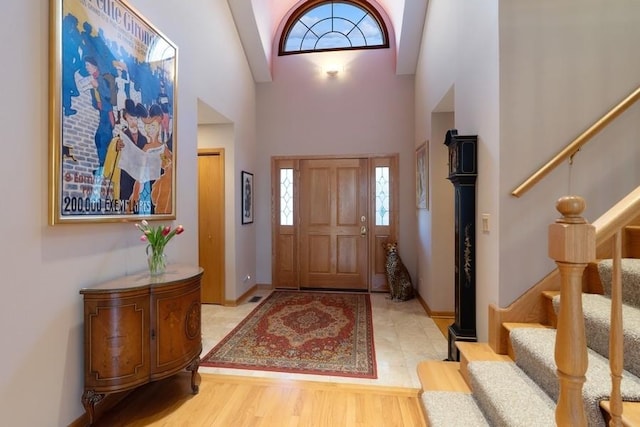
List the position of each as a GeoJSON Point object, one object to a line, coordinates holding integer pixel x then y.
{"type": "Point", "coordinates": [332, 70]}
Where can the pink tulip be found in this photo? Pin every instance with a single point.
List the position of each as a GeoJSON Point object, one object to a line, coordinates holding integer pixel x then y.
{"type": "Point", "coordinates": [143, 238]}
{"type": "Point", "coordinates": [179, 229]}
{"type": "Point", "coordinates": [166, 230]}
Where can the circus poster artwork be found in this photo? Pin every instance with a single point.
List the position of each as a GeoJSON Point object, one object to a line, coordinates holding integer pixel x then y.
{"type": "Point", "coordinates": [112, 116]}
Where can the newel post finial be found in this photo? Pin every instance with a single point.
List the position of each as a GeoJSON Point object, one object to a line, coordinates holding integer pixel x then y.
{"type": "Point", "coordinates": [571, 208]}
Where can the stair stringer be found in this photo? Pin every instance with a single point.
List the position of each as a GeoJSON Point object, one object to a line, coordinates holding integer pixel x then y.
{"type": "Point", "coordinates": [528, 308]}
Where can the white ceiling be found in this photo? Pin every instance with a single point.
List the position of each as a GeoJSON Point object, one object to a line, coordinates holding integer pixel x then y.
{"type": "Point", "coordinates": [258, 22]}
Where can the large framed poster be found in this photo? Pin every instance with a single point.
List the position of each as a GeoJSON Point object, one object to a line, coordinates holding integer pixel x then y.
{"type": "Point", "coordinates": [113, 82]}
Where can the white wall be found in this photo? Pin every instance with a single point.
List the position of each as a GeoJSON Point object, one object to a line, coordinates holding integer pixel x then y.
{"type": "Point", "coordinates": [562, 66]}
{"type": "Point", "coordinates": [366, 109]}
{"type": "Point", "coordinates": [44, 267]}
{"type": "Point", "coordinates": [557, 68]}
{"type": "Point", "coordinates": [460, 51]}
{"type": "Point", "coordinates": [436, 225]}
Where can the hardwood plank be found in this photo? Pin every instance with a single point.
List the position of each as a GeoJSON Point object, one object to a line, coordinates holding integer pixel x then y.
{"type": "Point", "coordinates": [630, 413]}
{"type": "Point", "coordinates": [441, 376]}
{"type": "Point", "coordinates": [443, 323]}
{"type": "Point", "coordinates": [227, 400]}
{"type": "Point", "coordinates": [479, 351]}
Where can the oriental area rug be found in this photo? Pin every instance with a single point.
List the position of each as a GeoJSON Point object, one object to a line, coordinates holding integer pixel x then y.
{"type": "Point", "coordinates": [302, 332]}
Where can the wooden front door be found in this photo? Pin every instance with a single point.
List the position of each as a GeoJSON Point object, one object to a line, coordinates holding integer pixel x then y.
{"type": "Point", "coordinates": [330, 219]}
{"type": "Point", "coordinates": [211, 224]}
{"type": "Point", "coordinates": [334, 211]}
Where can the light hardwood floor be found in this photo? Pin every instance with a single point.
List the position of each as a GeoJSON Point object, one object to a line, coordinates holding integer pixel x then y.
{"type": "Point", "coordinates": [236, 401]}
{"type": "Point", "coordinates": [443, 323]}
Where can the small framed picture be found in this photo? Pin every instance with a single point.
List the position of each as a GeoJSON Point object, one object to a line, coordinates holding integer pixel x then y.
{"type": "Point", "coordinates": [247, 197]}
{"type": "Point", "coordinates": [422, 176]}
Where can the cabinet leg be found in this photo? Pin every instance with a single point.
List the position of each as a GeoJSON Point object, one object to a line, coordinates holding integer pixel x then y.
{"type": "Point", "coordinates": [195, 377]}
{"type": "Point", "coordinates": [89, 400]}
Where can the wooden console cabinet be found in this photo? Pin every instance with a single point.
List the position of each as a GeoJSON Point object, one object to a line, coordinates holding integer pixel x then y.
{"type": "Point", "coordinates": [139, 329]}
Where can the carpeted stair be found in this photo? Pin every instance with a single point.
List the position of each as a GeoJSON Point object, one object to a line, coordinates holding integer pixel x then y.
{"type": "Point", "coordinates": [508, 397]}
{"type": "Point", "coordinates": [534, 350]}
{"type": "Point", "coordinates": [597, 315]}
{"type": "Point", "coordinates": [440, 413]}
{"type": "Point", "coordinates": [630, 279]}
{"type": "Point", "coordinates": [524, 393]}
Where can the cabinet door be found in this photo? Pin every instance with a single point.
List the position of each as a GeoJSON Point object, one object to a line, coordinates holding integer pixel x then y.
{"type": "Point", "coordinates": [116, 341]}
{"type": "Point", "coordinates": [175, 333]}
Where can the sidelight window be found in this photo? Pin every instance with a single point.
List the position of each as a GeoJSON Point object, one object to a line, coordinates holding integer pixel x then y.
{"type": "Point", "coordinates": [382, 195]}
{"type": "Point", "coordinates": [286, 196]}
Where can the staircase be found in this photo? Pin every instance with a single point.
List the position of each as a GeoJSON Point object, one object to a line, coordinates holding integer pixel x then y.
{"type": "Point", "coordinates": [521, 387]}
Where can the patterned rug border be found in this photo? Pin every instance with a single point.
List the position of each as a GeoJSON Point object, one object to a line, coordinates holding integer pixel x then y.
{"type": "Point", "coordinates": [372, 374]}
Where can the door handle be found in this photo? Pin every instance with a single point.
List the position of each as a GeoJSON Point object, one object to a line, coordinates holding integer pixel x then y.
{"type": "Point", "coordinates": [363, 231]}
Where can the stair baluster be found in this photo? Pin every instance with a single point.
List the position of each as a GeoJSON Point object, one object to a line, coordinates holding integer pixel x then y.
{"type": "Point", "coordinates": [616, 359]}
{"type": "Point", "coordinates": [572, 246]}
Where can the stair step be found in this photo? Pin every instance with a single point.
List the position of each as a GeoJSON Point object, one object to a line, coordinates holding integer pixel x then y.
{"type": "Point", "coordinates": [509, 326]}
{"type": "Point", "coordinates": [447, 409]}
{"type": "Point", "coordinates": [597, 314]}
{"type": "Point", "coordinates": [435, 375]}
{"type": "Point", "coordinates": [477, 351]}
{"type": "Point", "coordinates": [535, 355]}
{"type": "Point", "coordinates": [508, 397]}
{"type": "Point", "coordinates": [630, 413]}
{"type": "Point", "coordinates": [630, 271]}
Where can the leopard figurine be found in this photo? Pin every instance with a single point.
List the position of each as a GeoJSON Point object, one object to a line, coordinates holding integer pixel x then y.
{"type": "Point", "coordinates": [398, 278]}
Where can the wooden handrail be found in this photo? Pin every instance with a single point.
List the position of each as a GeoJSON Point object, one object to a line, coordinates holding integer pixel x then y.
{"type": "Point", "coordinates": [619, 215]}
{"type": "Point", "coordinates": [577, 143]}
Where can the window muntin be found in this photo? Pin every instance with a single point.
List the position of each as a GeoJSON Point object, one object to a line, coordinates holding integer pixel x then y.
{"type": "Point", "coordinates": [333, 25]}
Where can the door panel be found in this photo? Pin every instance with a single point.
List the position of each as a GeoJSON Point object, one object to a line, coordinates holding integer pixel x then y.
{"type": "Point", "coordinates": [333, 201]}
{"type": "Point", "coordinates": [211, 246]}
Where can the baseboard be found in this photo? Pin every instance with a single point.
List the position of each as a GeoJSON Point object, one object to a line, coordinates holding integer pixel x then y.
{"type": "Point", "coordinates": [248, 293]}
{"type": "Point", "coordinates": [236, 302]}
{"type": "Point", "coordinates": [431, 313]}
{"type": "Point", "coordinates": [264, 286]}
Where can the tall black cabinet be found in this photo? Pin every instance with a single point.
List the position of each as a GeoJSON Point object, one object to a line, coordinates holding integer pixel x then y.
{"type": "Point", "coordinates": [463, 171]}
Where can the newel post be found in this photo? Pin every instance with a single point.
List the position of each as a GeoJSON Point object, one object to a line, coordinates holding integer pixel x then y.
{"type": "Point", "coordinates": [572, 246]}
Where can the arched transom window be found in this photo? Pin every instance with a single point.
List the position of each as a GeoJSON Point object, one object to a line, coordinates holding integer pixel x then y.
{"type": "Point", "coordinates": [333, 25]}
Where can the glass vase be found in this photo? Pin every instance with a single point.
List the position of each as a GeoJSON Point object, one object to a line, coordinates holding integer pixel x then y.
{"type": "Point", "coordinates": [157, 261]}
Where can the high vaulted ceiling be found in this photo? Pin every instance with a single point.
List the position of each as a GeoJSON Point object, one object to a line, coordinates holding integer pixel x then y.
{"type": "Point", "coordinates": [258, 22]}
